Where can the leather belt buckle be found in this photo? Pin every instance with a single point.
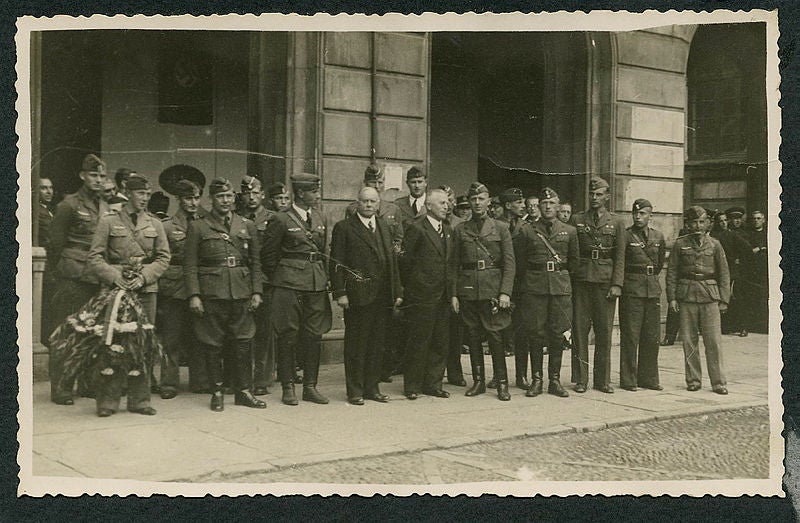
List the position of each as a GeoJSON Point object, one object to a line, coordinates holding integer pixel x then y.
{"type": "Point", "coordinates": [650, 270]}
{"type": "Point", "coordinates": [595, 254]}
{"type": "Point", "coordinates": [313, 257]}
{"type": "Point", "coordinates": [230, 261]}
{"type": "Point", "coordinates": [551, 266]}
{"type": "Point", "coordinates": [481, 264]}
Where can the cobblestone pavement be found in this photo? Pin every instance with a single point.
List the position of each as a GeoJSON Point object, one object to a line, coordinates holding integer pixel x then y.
{"type": "Point", "coordinates": [724, 445]}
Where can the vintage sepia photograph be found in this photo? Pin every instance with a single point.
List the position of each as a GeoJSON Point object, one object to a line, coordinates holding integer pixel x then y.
{"type": "Point", "coordinates": [510, 254]}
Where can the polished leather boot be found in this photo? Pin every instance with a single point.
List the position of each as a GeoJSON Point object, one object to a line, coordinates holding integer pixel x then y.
{"type": "Point", "coordinates": [522, 383]}
{"type": "Point", "coordinates": [555, 388]}
{"type": "Point", "coordinates": [478, 376]}
{"type": "Point", "coordinates": [289, 397]}
{"type": "Point", "coordinates": [536, 385]}
{"type": "Point", "coordinates": [218, 400]}
{"type": "Point", "coordinates": [246, 399]}
{"type": "Point", "coordinates": [502, 390]}
{"type": "Point", "coordinates": [310, 393]}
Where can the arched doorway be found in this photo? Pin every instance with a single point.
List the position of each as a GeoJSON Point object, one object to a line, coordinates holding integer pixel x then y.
{"type": "Point", "coordinates": [727, 134]}
{"type": "Point", "coordinates": [508, 108]}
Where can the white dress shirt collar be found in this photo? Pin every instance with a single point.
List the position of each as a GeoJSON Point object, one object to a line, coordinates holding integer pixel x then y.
{"type": "Point", "coordinates": [301, 212]}
{"type": "Point", "coordinates": [420, 201]}
{"type": "Point", "coordinates": [367, 221]}
{"type": "Point", "coordinates": [434, 222]}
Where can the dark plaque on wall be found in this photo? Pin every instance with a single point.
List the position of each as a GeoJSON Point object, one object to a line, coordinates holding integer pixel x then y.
{"type": "Point", "coordinates": [185, 82]}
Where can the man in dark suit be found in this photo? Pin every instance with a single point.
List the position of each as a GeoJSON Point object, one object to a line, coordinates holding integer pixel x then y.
{"type": "Point", "coordinates": [366, 285]}
{"type": "Point", "coordinates": [411, 206]}
{"type": "Point", "coordinates": [293, 262]}
{"type": "Point", "coordinates": [428, 282]}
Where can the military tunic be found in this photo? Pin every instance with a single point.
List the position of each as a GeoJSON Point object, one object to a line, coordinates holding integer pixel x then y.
{"type": "Point", "coordinates": [263, 344]}
{"type": "Point", "coordinates": [294, 258]}
{"type": "Point", "coordinates": [640, 307]}
{"type": "Point", "coordinates": [118, 243]}
{"type": "Point", "coordinates": [173, 319]}
{"type": "Point", "coordinates": [599, 248]}
{"type": "Point", "coordinates": [222, 267]}
{"type": "Point", "coordinates": [71, 233]}
{"type": "Point", "coordinates": [515, 336]}
{"type": "Point", "coordinates": [698, 278]}
{"type": "Point", "coordinates": [483, 260]}
{"type": "Point", "coordinates": [545, 301]}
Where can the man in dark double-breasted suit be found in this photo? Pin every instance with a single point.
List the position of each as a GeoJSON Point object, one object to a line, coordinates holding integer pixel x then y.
{"type": "Point", "coordinates": [428, 284]}
{"type": "Point", "coordinates": [366, 284]}
{"type": "Point", "coordinates": [640, 304]}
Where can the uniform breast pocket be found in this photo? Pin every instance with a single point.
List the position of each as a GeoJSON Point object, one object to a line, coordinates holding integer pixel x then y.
{"type": "Point", "coordinates": [84, 223]}
{"type": "Point", "coordinates": [118, 239]}
{"type": "Point", "coordinates": [148, 238]}
{"type": "Point", "coordinates": [212, 246]}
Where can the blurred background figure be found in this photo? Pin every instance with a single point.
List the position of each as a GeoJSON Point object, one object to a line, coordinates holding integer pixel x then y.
{"type": "Point", "coordinates": [463, 209]}
{"type": "Point", "coordinates": [565, 212]}
{"type": "Point", "coordinates": [532, 206]}
{"type": "Point", "coordinates": [158, 205]}
{"type": "Point", "coordinates": [121, 178]}
{"type": "Point", "coordinates": [45, 211]}
{"type": "Point", "coordinates": [279, 197]}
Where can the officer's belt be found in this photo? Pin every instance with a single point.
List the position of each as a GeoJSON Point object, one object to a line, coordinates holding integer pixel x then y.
{"type": "Point", "coordinates": [479, 265]}
{"type": "Point", "coordinates": [596, 254]}
{"type": "Point", "coordinates": [230, 261]}
{"type": "Point", "coordinates": [310, 256]}
{"type": "Point", "coordinates": [640, 269]}
{"type": "Point", "coordinates": [696, 277]}
{"type": "Point", "coordinates": [549, 266]}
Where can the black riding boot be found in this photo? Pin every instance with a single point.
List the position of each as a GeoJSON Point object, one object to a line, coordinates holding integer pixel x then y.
{"type": "Point", "coordinates": [476, 362]}
{"type": "Point", "coordinates": [499, 368]}
{"type": "Point", "coordinates": [554, 373]}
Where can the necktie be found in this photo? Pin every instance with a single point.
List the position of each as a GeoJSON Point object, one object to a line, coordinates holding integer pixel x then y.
{"type": "Point", "coordinates": [134, 218]}
{"type": "Point", "coordinates": [371, 226]}
{"type": "Point", "coordinates": [440, 231]}
{"type": "Point", "coordinates": [416, 207]}
{"type": "Point", "coordinates": [227, 222]}
{"type": "Point", "coordinates": [549, 228]}
{"type": "Point", "coordinates": [596, 218]}
{"type": "Point", "coordinates": [308, 220]}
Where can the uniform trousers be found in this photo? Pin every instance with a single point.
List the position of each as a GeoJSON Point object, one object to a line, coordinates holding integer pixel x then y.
{"type": "Point", "coordinates": [263, 347]}
{"type": "Point", "coordinates": [547, 318]}
{"type": "Point", "coordinates": [673, 325]}
{"type": "Point", "coordinates": [592, 310]}
{"type": "Point", "coordinates": [427, 346]}
{"type": "Point", "coordinates": [522, 346]}
{"type": "Point", "coordinates": [174, 325]}
{"type": "Point", "coordinates": [299, 318]}
{"type": "Point", "coordinates": [223, 322]}
{"type": "Point", "coordinates": [702, 318]}
{"type": "Point", "coordinates": [474, 313]}
{"type": "Point", "coordinates": [364, 342]}
{"type": "Point", "coordinates": [455, 372]}
{"type": "Point", "coordinates": [109, 387]}
{"type": "Point", "coordinates": [640, 326]}
{"type": "Point", "coordinates": [68, 298]}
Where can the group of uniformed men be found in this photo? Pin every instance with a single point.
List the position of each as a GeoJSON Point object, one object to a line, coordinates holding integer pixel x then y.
{"type": "Point", "coordinates": [237, 294]}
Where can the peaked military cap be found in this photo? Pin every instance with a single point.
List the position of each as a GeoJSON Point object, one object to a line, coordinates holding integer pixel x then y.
{"type": "Point", "coordinates": [305, 181]}
{"type": "Point", "coordinates": [476, 188]}
{"type": "Point", "coordinates": [734, 211]}
{"type": "Point", "coordinates": [137, 183]}
{"type": "Point", "coordinates": [373, 173]}
{"type": "Point", "coordinates": [185, 188]}
{"type": "Point", "coordinates": [462, 201]}
{"type": "Point", "coordinates": [547, 194]}
{"type": "Point", "coordinates": [219, 185]}
{"type": "Point", "coordinates": [694, 212]}
{"type": "Point", "coordinates": [597, 183]}
{"type": "Point", "coordinates": [277, 188]}
{"type": "Point", "coordinates": [415, 172]}
{"type": "Point", "coordinates": [641, 203]}
{"type": "Point", "coordinates": [93, 164]}
{"type": "Point", "coordinates": [512, 194]}
{"type": "Point", "coordinates": [249, 183]}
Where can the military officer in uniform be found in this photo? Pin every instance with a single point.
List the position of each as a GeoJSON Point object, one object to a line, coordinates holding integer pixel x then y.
{"type": "Point", "coordinates": [293, 258]}
{"type": "Point", "coordinates": [129, 237]}
{"type": "Point", "coordinates": [483, 259]}
{"type": "Point", "coordinates": [222, 272]}
{"type": "Point", "coordinates": [263, 344]}
{"type": "Point", "coordinates": [640, 304]}
{"type": "Point", "coordinates": [366, 285]}
{"type": "Point", "coordinates": [514, 214]}
{"type": "Point", "coordinates": [279, 197]}
{"type": "Point", "coordinates": [174, 321]}
{"type": "Point", "coordinates": [546, 253]}
{"type": "Point", "coordinates": [698, 288]}
{"type": "Point", "coordinates": [597, 284]}
{"type": "Point", "coordinates": [71, 233]}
